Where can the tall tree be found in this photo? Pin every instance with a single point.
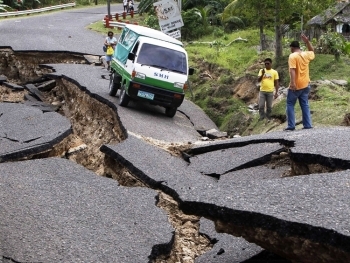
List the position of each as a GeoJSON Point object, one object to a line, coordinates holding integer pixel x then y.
{"type": "Point", "coordinates": [278, 32]}
{"type": "Point", "coordinates": [275, 13]}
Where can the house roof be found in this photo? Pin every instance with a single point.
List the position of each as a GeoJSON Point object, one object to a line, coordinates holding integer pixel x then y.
{"type": "Point", "coordinates": [334, 12]}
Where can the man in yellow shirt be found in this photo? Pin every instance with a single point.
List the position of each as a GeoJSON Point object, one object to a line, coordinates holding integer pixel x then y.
{"type": "Point", "coordinates": [299, 87]}
{"type": "Point", "coordinates": [268, 79]}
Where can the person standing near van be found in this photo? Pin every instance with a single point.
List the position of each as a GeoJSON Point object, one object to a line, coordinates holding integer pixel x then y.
{"type": "Point", "coordinates": [299, 87]}
{"type": "Point", "coordinates": [110, 42]}
{"type": "Point", "coordinates": [269, 84]}
{"type": "Point", "coordinates": [125, 5]}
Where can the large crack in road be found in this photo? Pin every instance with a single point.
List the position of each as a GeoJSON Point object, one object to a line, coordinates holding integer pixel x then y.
{"type": "Point", "coordinates": [95, 124]}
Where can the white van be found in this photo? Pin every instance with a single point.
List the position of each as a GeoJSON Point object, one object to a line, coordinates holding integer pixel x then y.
{"type": "Point", "coordinates": [151, 66]}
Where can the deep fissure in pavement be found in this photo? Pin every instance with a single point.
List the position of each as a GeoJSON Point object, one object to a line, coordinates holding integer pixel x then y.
{"type": "Point", "coordinates": [94, 124]}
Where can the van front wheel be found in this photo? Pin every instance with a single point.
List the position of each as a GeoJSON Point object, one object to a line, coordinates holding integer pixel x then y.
{"type": "Point", "coordinates": [170, 112]}
{"type": "Point", "coordinates": [123, 97]}
{"type": "Point", "coordinates": [114, 84]}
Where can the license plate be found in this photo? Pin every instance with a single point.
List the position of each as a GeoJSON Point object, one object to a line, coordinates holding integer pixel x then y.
{"type": "Point", "coordinates": [146, 95]}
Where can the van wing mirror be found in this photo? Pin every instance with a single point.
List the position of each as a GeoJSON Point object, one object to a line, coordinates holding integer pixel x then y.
{"type": "Point", "coordinates": [191, 71]}
{"type": "Point", "coordinates": [131, 56]}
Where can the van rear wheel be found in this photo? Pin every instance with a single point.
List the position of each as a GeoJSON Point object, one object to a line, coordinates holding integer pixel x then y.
{"type": "Point", "coordinates": [114, 84]}
{"type": "Point", "coordinates": [170, 111]}
{"type": "Point", "coordinates": [123, 97]}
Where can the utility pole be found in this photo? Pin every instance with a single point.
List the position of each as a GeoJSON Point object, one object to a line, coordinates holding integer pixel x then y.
{"type": "Point", "coordinates": [109, 9]}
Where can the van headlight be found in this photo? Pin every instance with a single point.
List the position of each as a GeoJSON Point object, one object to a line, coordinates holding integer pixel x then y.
{"type": "Point", "coordinates": [179, 85]}
{"type": "Point", "coordinates": [140, 75]}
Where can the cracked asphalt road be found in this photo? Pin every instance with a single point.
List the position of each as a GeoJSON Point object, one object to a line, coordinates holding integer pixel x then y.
{"type": "Point", "coordinates": [52, 209]}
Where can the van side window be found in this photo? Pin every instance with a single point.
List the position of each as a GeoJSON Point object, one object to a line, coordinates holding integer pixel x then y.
{"type": "Point", "coordinates": [122, 36]}
{"type": "Point", "coordinates": [129, 39]}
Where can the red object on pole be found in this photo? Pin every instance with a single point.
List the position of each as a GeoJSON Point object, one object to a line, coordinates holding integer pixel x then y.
{"type": "Point", "coordinates": [132, 13]}
{"type": "Point", "coordinates": [107, 21]}
{"type": "Point", "coordinates": [116, 16]}
{"type": "Point", "coordinates": [124, 15]}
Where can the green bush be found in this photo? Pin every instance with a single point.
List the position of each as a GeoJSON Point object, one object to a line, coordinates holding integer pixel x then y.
{"type": "Point", "coordinates": [332, 43]}
{"type": "Point", "coordinates": [194, 26]}
{"type": "Point", "coordinates": [152, 22]}
{"type": "Point", "coordinates": [5, 8]}
{"type": "Point", "coordinates": [233, 23]}
{"type": "Point", "coordinates": [218, 32]}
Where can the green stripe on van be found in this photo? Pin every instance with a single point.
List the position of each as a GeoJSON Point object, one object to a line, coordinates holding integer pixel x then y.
{"type": "Point", "coordinates": [159, 84]}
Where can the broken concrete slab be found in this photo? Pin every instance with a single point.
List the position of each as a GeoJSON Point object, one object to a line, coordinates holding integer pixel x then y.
{"type": "Point", "coordinates": [328, 146]}
{"type": "Point", "coordinates": [96, 60]}
{"type": "Point", "coordinates": [13, 86]}
{"type": "Point", "coordinates": [47, 85]}
{"type": "Point", "coordinates": [295, 210]}
{"type": "Point", "coordinates": [230, 249]}
{"type": "Point", "coordinates": [26, 130]}
{"type": "Point", "coordinates": [261, 172]}
{"type": "Point", "coordinates": [44, 107]}
{"type": "Point", "coordinates": [35, 92]}
{"type": "Point", "coordinates": [281, 215]}
{"type": "Point", "coordinates": [228, 160]}
{"type": "Point", "coordinates": [215, 134]}
{"type": "Point", "coordinates": [29, 97]}
{"type": "Point", "coordinates": [173, 171]}
{"type": "Point", "coordinates": [200, 120]}
{"type": "Point", "coordinates": [55, 210]}
{"type": "Point", "coordinates": [3, 79]}
{"type": "Point", "coordinates": [226, 248]}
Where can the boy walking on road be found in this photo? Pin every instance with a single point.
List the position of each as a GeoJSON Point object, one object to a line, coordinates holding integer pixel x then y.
{"type": "Point", "coordinates": [299, 87]}
{"type": "Point", "coordinates": [268, 79]}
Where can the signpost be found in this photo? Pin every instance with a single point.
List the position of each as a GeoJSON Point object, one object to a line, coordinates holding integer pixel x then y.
{"type": "Point", "coordinates": [109, 9]}
{"type": "Point", "coordinates": [169, 15]}
{"type": "Point", "coordinates": [174, 34]}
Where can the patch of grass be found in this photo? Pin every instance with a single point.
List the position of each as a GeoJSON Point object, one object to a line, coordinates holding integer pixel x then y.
{"type": "Point", "coordinates": [331, 107]}
{"type": "Point", "coordinates": [326, 67]}
{"type": "Point", "coordinates": [241, 59]}
{"type": "Point", "coordinates": [225, 52]}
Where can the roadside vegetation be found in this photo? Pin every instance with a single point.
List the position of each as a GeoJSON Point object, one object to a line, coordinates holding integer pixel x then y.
{"type": "Point", "coordinates": [223, 64]}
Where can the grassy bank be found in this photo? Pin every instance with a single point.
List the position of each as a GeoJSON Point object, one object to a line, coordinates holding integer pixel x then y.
{"type": "Point", "coordinates": [224, 62]}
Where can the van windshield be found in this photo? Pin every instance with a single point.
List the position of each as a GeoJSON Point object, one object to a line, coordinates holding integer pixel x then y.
{"type": "Point", "coordinates": [163, 58]}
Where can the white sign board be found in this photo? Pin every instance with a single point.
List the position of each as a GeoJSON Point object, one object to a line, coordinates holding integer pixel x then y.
{"type": "Point", "coordinates": [174, 34]}
{"type": "Point", "coordinates": [168, 14]}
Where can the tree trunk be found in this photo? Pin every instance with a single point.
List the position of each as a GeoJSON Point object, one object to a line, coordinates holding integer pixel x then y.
{"type": "Point", "coordinates": [262, 36]}
{"type": "Point", "coordinates": [278, 34]}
